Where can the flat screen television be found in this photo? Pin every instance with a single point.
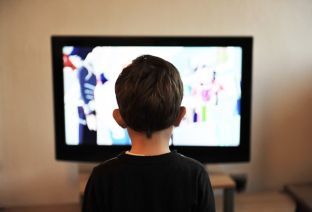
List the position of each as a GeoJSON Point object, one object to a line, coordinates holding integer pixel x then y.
{"type": "Point", "coordinates": [216, 73]}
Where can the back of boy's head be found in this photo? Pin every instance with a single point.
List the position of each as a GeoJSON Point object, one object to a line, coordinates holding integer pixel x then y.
{"type": "Point", "coordinates": [149, 92]}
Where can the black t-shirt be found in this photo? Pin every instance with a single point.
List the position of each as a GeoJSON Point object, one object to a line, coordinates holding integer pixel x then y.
{"type": "Point", "coordinates": [168, 182]}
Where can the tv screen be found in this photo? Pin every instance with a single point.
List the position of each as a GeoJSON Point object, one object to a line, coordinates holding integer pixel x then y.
{"type": "Point", "coordinates": [216, 74]}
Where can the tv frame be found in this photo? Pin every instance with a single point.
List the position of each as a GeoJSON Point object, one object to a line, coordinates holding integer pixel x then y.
{"type": "Point", "coordinates": [98, 153]}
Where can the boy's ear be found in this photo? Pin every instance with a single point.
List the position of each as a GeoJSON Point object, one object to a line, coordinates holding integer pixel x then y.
{"type": "Point", "coordinates": [180, 116]}
{"type": "Point", "coordinates": [119, 119]}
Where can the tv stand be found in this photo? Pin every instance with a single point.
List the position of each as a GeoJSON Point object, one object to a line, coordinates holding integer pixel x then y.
{"type": "Point", "coordinates": [227, 184]}
{"type": "Point", "coordinates": [218, 181]}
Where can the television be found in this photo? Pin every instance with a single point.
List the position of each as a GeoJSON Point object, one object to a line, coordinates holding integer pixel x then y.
{"type": "Point", "coordinates": [217, 77]}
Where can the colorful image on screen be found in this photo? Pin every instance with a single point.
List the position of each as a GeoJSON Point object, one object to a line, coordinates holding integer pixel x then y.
{"type": "Point", "coordinates": [212, 93]}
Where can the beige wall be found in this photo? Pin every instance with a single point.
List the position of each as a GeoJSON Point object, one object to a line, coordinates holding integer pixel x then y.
{"type": "Point", "coordinates": [282, 90]}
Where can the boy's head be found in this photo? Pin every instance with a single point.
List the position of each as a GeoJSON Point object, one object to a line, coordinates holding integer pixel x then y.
{"type": "Point", "coordinates": [149, 92]}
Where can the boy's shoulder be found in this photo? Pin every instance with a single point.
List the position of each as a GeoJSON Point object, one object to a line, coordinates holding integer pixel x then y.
{"type": "Point", "coordinates": [172, 159]}
{"type": "Point", "coordinates": [191, 163]}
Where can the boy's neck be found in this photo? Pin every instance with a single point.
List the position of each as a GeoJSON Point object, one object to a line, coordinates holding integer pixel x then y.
{"type": "Point", "coordinates": [158, 144]}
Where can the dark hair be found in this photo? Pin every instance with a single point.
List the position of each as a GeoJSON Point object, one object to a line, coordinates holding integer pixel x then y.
{"type": "Point", "coordinates": [149, 92]}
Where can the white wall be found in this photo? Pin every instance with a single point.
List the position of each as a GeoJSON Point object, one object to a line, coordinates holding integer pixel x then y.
{"type": "Point", "coordinates": [282, 89]}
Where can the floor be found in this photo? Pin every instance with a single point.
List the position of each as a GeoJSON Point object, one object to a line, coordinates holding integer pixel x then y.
{"type": "Point", "coordinates": [74, 207]}
{"type": "Point", "coordinates": [260, 202]}
{"type": "Point", "coordinates": [256, 202]}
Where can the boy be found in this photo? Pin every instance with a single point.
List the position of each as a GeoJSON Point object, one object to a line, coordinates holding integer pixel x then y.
{"type": "Point", "coordinates": [149, 177]}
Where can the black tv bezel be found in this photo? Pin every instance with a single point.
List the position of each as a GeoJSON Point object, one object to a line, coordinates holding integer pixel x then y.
{"type": "Point", "coordinates": [85, 153]}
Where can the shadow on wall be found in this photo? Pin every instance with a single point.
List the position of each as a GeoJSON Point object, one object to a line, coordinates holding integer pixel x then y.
{"type": "Point", "coordinates": [288, 137]}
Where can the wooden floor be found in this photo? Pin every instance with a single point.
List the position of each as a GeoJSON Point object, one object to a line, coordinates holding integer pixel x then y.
{"type": "Point", "coordinates": [256, 202]}
{"type": "Point", "coordinates": [75, 207]}
{"type": "Point", "coordinates": [260, 202]}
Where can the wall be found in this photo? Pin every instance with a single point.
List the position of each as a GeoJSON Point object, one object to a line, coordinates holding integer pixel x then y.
{"type": "Point", "coordinates": [282, 97]}
{"type": "Point", "coordinates": [1, 108]}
